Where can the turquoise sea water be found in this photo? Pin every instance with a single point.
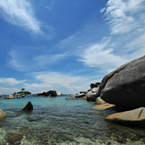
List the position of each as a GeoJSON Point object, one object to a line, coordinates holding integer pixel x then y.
{"type": "Point", "coordinates": [59, 121]}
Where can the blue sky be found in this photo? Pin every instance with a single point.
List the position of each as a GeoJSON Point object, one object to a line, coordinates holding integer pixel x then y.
{"type": "Point", "coordinates": [67, 44]}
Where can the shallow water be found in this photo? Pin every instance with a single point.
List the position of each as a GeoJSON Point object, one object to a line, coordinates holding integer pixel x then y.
{"type": "Point", "coordinates": [60, 121]}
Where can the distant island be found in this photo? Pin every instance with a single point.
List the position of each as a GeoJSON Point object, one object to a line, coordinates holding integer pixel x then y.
{"type": "Point", "coordinates": [22, 92]}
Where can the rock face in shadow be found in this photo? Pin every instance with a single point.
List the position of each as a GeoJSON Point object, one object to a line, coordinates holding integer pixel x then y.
{"type": "Point", "coordinates": [28, 106]}
{"type": "Point", "coordinates": [9, 97]}
{"type": "Point", "coordinates": [125, 86]}
{"type": "Point", "coordinates": [134, 117]}
{"type": "Point", "coordinates": [2, 114]}
{"type": "Point", "coordinates": [0, 95]}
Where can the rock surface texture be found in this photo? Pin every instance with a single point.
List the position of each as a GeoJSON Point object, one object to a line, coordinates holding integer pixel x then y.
{"type": "Point", "coordinates": [135, 117]}
{"type": "Point", "coordinates": [28, 106]}
{"type": "Point", "coordinates": [2, 114]}
{"type": "Point", "coordinates": [125, 86]}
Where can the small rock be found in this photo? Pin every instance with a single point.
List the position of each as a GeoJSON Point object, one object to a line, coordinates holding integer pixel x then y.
{"type": "Point", "coordinates": [28, 106]}
{"type": "Point", "coordinates": [18, 97]}
{"type": "Point", "coordinates": [23, 96]}
{"type": "Point", "coordinates": [9, 96]}
{"type": "Point", "coordinates": [2, 114]}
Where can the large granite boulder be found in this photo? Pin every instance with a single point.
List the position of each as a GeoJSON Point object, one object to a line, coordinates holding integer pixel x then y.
{"type": "Point", "coordinates": [125, 86]}
{"type": "Point", "coordinates": [91, 96]}
{"type": "Point", "coordinates": [53, 93]}
{"type": "Point", "coordinates": [0, 95]}
{"type": "Point", "coordinates": [134, 117]}
{"type": "Point", "coordinates": [9, 96]}
{"type": "Point", "coordinates": [2, 114]}
{"type": "Point", "coordinates": [28, 106]}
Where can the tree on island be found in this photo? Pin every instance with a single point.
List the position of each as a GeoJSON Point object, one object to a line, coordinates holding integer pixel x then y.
{"type": "Point", "coordinates": [24, 92]}
{"type": "Point", "coordinates": [23, 89]}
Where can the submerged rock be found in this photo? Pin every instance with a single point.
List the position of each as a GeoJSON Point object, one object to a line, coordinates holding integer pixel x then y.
{"type": "Point", "coordinates": [71, 98]}
{"type": "Point", "coordinates": [28, 106]}
{"type": "Point", "coordinates": [103, 106]}
{"type": "Point", "coordinates": [33, 118]}
{"type": "Point", "coordinates": [2, 114]}
{"type": "Point", "coordinates": [9, 96]}
{"type": "Point", "coordinates": [125, 86]}
{"type": "Point", "coordinates": [134, 117]}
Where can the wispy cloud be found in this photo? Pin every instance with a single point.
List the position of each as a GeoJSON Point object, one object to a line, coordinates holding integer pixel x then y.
{"type": "Point", "coordinates": [20, 13]}
{"type": "Point", "coordinates": [43, 60]}
{"type": "Point", "coordinates": [11, 81]}
{"type": "Point", "coordinates": [101, 55]}
{"type": "Point", "coordinates": [124, 16]}
{"type": "Point", "coordinates": [31, 60]}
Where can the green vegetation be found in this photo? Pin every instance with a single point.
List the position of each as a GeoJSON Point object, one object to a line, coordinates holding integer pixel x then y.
{"type": "Point", "coordinates": [25, 92]}
{"type": "Point", "coordinates": [117, 71]}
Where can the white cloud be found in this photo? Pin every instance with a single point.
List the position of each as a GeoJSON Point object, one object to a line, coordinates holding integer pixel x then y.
{"type": "Point", "coordinates": [124, 15]}
{"type": "Point", "coordinates": [66, 82]}
{"type": "Point", "coordinates": [101, 55]}
{"type": "Point", "coordinates": [11, 81]}
{"type": "Point", "coordinates": [6, 91]}
{"type": "Point", "coordinates": [20, 13]}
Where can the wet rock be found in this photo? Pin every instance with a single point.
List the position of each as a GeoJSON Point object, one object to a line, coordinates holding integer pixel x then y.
{"type": "Point", "coordinates": [2, 114]}
{"type": "Point", "coordinates": [125, 86]}
{"type": "Point", "coordinates": [85, 98]}
{"type": "Point", "coordinates": [9, 96]}
{"type": "Point", "coordinates": [103, 106]}
{"type": "Point", "coordinates": [135, 117]}
{"type": "Point", "coordinates": [28, 106]}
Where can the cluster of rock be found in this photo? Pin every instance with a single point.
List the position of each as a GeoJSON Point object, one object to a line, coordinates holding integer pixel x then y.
{"type": "Point", "coordinates": [89, 95]}
{"type": "Point", "coordinates": [124, 90]}
{"type": "Point", "coordinates": [48, 93]}
{"type": "Point", "coordinates": [9, 96]}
